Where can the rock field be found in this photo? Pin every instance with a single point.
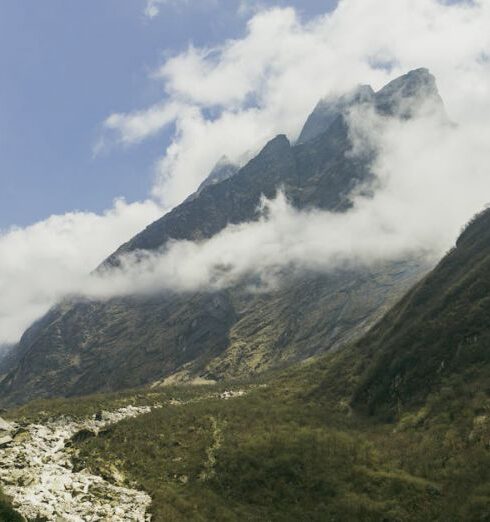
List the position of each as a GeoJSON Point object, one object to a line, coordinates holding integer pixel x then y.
{"type": "Point", "coordinates": [37, 472]}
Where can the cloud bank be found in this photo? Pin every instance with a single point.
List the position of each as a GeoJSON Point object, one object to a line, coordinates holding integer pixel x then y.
{"type": "Point", "coordinates": [39, 264]}
{"type": "Point", "coordinates": [233, 98]}
{"type": "Point", "coordinates": [430, 178]}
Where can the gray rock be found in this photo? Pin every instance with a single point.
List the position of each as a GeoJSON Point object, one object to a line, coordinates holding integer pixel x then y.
{"type": "Point", "coordinates": [46, 485]}
{"type": "Point", "coordinates": [329, 109]}
{"type": "Point", "coordinates": [5, 440]}
{"type": "Point", "coordinates": [5, 426]}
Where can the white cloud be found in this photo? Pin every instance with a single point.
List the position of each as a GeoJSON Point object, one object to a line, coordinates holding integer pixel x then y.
{"type": "Point", "coordinates": [41, 263]}
{"type": "Point", "coordinates": [137, 126]}
{"type": "Point", "coordinates": [431, 178]}
{"type": "Point", "coordinates": [152, 8]}
{"type": "Point", "coordinates": [234, 97]}
{"type": "Point", "coordinates": [231, 99]}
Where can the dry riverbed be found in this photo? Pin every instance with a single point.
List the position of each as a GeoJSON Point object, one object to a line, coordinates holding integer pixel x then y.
{"type": "Point", "coordinates": [37, 472]}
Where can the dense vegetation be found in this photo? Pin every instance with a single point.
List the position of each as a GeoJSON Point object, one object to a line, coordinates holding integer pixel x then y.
{"type": "Point", "coordinates": [379, 431]}
{"type": "Point", "coordinates": [295, 450]}
{"type": "Point", "coordinates": [395, 427]}
{"type": "Point", "coordinates": [438, 333]}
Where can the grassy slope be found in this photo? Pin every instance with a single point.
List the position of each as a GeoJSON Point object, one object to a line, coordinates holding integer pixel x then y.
{"type": "Point", "coordinates": [395, 427]}
{"type": "Point", "coordinates": [381, 431]}
{"type": "Point", "coordinates": [279, 453]}
{"type": "Point", "coordinates": [437, 335]}
{"type": "Point", "coordinates": [295, 450]}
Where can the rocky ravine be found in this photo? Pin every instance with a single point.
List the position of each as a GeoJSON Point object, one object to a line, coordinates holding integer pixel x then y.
{"type": "Point", "coordinates": [37, 472]}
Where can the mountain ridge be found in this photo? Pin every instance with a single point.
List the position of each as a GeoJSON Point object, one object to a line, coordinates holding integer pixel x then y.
{"type": "Point", "coordinates": [85, 346]}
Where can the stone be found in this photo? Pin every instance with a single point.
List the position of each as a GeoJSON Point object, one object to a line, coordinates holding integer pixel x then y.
{"type": "Point", "coordinates": [37, 473]}
{"type": "Point", "coordinates": [5, 426]}
{"type": "Point", "coordinates": [5, 440]}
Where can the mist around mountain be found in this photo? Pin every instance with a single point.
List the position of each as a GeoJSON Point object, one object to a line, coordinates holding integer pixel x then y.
{"type": "Point", "coordinates": [354, 393]}
{"type": "Point", "coordinates": [231, 309]}
{"type": "Point", "coordinates": [5, 349]}
{"type": "Point", "coordinates": [391, 427]}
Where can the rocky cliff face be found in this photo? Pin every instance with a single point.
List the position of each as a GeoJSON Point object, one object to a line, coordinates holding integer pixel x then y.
{"type": "Point", "coordinates": [327, 110]}
{"type": "Point", "coordinates": [83, 346]}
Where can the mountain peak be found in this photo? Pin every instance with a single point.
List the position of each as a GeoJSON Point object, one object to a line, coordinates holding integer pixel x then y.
{"type": "Point", "coordinates": [223, 169]}
{"type": "Point", "coordinates": [414, 93]}
{"type": "Point", "coordinates": [327, 110]}
{"type": "Point", "coordinates": [277, 143]}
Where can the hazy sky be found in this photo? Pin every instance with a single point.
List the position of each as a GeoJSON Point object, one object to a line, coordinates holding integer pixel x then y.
{"type": "Point", "coordinates": [66, 66]}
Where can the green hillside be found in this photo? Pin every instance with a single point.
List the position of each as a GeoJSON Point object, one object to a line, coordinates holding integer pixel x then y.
{"type": "Point", "coordinates": [438, 336]}
{"type": "Point", "coordinates": [307, 446]}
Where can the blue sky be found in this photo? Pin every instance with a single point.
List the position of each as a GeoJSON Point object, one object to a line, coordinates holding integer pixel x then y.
{"type": "Point", "coordinates": [165, 96]}
{"type": "Point", "coordinates": [65, 67]}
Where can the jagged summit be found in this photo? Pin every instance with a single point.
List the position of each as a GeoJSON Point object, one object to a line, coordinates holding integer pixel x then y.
{"type": "Point", "coordinates": [277, 144]}
{"type": "Point", "coordinates": [412, 94]}
{"type": "Point", "coordinates": [88, 346]}
{"type": "Point", "coordinates": [328, 109]}
{"type": "Point", "coordinates": [223, 169]}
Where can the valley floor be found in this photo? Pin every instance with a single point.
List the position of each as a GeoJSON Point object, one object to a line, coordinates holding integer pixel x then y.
{"type": "Point", "coordinates": [293, 449]}
{"type": "Point", "coordinates": [37, 472]}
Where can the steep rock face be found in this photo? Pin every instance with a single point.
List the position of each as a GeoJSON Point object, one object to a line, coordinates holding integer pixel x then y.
{"type": "Point", "coordinates": [5, 350]}
{"type": "Point", "coordinates": [307, 316]}
{"type": "Point", "coordinates": [82, 347]}
{"type": "Point", "coordinates": [232, 201]}
{"type": "Point", "coordinates": [327, 110]}
{"type": "Point", "coordinates": [224, 169]}
{"type": "Point", "coordinates": [439, 330]}
{"type": "Point", "coordinates": [413, 94]}
{"type": "Point", "coordinates": [316, 173]}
